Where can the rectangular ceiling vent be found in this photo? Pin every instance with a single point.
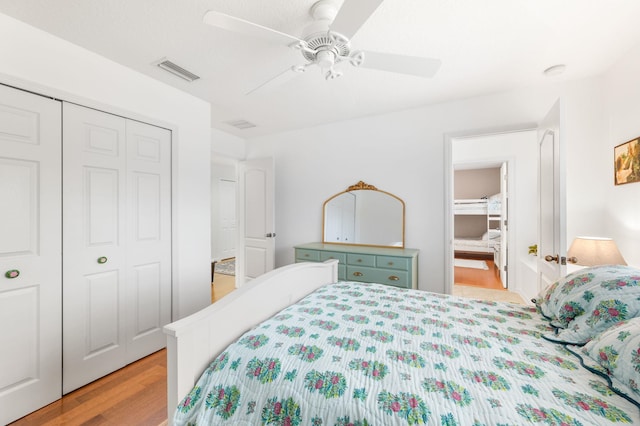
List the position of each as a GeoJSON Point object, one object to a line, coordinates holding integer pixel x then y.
{"type": "Point", "coordinates": [176, 70]}
{"type": "Point", "coordinates": [241, 124]}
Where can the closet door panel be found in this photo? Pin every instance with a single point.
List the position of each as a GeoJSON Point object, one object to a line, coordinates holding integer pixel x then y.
{"type": "Point", "coordinates": [19, 213]}
{"type": "Point", "coordinates": [102, 313]}
{"type": "Point", "coordinates": [149, 237]}
{"type": "Point", "coordinates": [94, 264]}
{"type": "Point", "coordinates": [30, 255]}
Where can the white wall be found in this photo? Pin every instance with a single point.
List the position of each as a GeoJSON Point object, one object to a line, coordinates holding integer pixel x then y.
{"type": "Point", "coordinates": [403, 153]}
{"type": "Point", "coordinates": [226, 146]}
{"type": "Point", "coordinates": [520, 150]}
{"type": "Point", "coordinates": [34, 60]}
{"type": "Point", "coordinates": [621, 204]}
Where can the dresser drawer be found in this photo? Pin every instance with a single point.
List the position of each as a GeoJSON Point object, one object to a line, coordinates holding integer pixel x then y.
{"type": "Point", "coordinates": [381, 276]}
{"type": "Point", "coordinates": [391, 262]}
{"type": "Point", "coordinates": [327, 255]}
{"type": "Point", "coordinates": [395, 278]}
{"type": "Point", "coordinates": [361, 259]}
{"type": "Point", "coordinates": [307, 255]}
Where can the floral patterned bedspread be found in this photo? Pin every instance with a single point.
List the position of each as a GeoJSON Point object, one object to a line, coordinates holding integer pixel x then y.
{"type": "Point", "coordinates": [368, 354]}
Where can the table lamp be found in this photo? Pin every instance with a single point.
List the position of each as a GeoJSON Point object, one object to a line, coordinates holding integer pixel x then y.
{"type": "Point", "coordinates": [593, 251]}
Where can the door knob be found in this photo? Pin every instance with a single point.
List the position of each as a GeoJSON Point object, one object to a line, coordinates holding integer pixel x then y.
{"type": "Point", "coordinates": [102, 259]}
{"type": "Point", "coordinates": [13, 273]}
{"type": "Point", "coordinates": [550, 258]}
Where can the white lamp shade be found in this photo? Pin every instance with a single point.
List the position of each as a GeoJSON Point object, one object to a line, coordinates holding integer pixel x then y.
{"type": "Point", "coordinates": [592, 251]}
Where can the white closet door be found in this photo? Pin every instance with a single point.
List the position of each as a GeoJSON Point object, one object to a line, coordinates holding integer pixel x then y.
{"type": "Point", "coordinates": [30, 243]}
{"type": "Point", "coordinates": [148, 259]}
{"type": "Point", "coordinates": [94, 264]}
{"type": "Point", "coordinates": [117, 242]}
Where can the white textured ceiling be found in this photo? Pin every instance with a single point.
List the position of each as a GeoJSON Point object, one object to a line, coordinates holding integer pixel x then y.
{"type": "Point", "coordinates": [485, 46]}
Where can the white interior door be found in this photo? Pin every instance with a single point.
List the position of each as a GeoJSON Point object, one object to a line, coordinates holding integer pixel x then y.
{"type": "Point", "coordinates": [504, 224]}
{"type": "Point", "coordinates": [116, 242]}
{"type": "Point", "coordinates": [30, 253]}
{"type": "Point", "coordinates": [148, 243]}
{"type": "Point", "coordinates": [551, 240]}
{"type": "Point", "coordinates": [228, 218]}
{"type": "Point", "coordinates": [257, 233]}
{"type": "Point", "coordinates": [94, 237]}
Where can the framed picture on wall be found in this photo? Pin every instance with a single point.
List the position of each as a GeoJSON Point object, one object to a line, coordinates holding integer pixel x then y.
{"type": "Point", "coordinates": [627, 162]}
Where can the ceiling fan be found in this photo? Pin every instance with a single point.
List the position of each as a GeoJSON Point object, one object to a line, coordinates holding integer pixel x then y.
{"type": "Point", "coordinates": [326, 41]}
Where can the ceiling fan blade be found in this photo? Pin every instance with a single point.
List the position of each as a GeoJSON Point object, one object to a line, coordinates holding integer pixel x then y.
{"type": "Point", "coordinates": [277, 81]}
{"type": "Point", "coordinates": [241, 26]}
{"type": "Point", "coordinates": [352, 15]}
{"type": "Point", "coordinates": [412, 65]}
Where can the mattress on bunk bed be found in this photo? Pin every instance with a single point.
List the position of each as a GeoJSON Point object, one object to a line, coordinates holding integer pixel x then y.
{"type": "Point", "coordinates": [484, 243]}
{"type": "Point", "coordinates": [489, 205]}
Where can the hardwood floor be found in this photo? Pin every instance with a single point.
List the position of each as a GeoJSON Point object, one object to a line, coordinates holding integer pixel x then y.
{"type": "Point", "coordinates": [133, 395]}
{"type": "Point", "coordinates": [221, 286]}
{"type": "Point", "coordinates": [489, 279]}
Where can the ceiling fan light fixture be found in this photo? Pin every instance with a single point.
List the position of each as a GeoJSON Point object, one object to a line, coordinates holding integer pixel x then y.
{"type": "Point", "coordinates": [325, 59]}
{"type": "Point", "coordinates": [332, 74]}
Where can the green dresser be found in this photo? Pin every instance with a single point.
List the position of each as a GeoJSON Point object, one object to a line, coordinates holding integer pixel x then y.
{"type": "Point", "coordinates": [392, 266]}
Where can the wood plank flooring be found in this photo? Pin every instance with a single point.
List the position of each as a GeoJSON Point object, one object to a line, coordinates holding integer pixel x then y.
{"type": "Point", "coordinates": [133, 395]}
{"type": "Point", "coordinates": [489, 279]}
{"type": "Point", "coordinates": [221, 286]}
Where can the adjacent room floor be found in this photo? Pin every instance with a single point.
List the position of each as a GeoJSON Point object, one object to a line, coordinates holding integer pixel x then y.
{"type": "Point", "coordinates": [482, 284]}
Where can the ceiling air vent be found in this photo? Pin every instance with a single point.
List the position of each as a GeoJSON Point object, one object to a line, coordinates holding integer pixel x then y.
{"type": "Point", "coordinates": [241, 124]}
{"type": "Point", "coordinates": [176, 70]}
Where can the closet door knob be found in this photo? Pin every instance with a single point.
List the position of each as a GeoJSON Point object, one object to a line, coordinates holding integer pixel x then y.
{"type": "Point", "coordinates": [102, 259]}
{"type": "Point", "coordinates": [12, 273]}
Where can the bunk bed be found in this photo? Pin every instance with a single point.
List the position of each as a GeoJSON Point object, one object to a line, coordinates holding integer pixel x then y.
{"type": "Point", "coordinates": [483, 245]}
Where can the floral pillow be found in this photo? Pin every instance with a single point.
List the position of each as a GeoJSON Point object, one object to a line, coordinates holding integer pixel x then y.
{"type": "Point", "coordinates": [590, 300]}
{"type": "Point", "coordinates": [617, 352]}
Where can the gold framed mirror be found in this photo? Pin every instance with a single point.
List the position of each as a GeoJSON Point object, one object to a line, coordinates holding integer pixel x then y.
{"type": "Point", "coordinates": [364, 215]}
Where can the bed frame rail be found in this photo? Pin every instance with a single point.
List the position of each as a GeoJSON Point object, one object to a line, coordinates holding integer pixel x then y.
{"type": "Point", "coordinates": [194, 341]}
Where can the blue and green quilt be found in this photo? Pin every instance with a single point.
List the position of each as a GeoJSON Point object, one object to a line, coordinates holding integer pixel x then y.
{"type": "Point", "coordinates": [368, 354]}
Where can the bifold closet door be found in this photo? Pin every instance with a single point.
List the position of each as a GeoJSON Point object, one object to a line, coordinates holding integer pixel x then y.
{"type": "Point", "coordinates": [116, 242]}
{"type": "Point", "coordinates": [30, 258]}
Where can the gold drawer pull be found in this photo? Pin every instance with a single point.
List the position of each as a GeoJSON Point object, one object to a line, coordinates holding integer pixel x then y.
{"type": "Point", "coordinates": [306, 255]}
{"type": "Point", "coordinates": [390, 263]}
{"type": "Point", "coordinates": [394, 278]}
{"type": "Point", "coordinates": [357, 274]}
{"type": "Point", "coordinates": [359, 260]}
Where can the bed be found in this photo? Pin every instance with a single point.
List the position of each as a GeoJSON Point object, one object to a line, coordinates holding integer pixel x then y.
{"type": "Point", "coordinates": [349, 353]}
{"type": "Point", "coordinates": [483, 245]}
{"type": "Point", "coordinates": [478, 206]}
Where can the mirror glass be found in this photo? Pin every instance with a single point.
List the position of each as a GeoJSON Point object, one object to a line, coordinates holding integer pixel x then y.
{"type": "Point", "coordinates": [364, 215]}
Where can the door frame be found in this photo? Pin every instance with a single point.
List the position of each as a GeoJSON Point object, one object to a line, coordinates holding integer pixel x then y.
{"type": "Point", "coordinates": [449, 139]}
{"type": "Point", "coordinates": [496, 162]}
